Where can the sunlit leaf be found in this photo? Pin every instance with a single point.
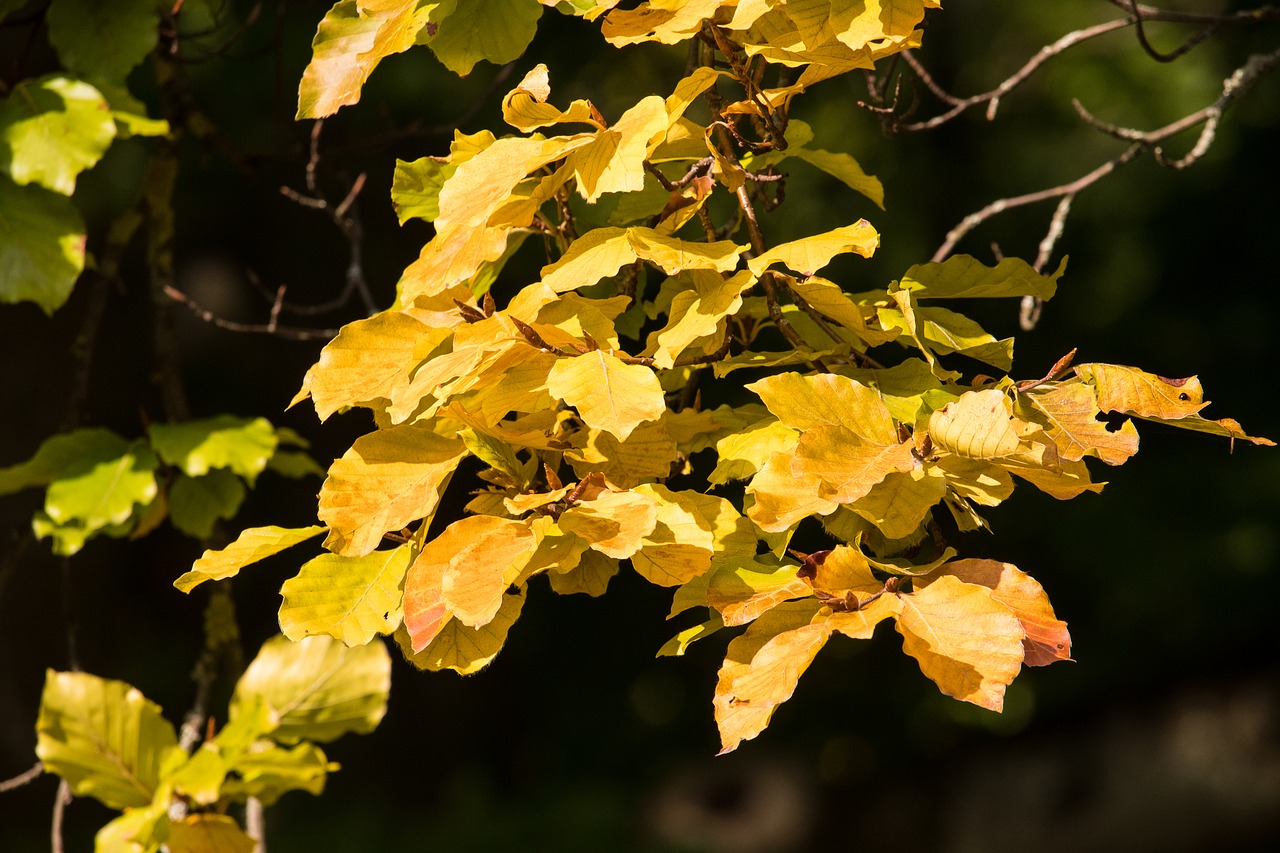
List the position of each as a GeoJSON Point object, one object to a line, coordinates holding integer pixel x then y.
{"type": "Point", "coordinates": [52, 129]}
{"type": "Point", "coordinates": [614, 523]}
{"type": "Point", "coordinates": [1076, 426]}
{"type": "Point", "coordinates": [808, 255]}
{"type": "Point", "coordinates": [208, 833]}
{"type": "Point", "coordinates": [1047, 639]}
{"type": "Point", "coordinates": [243, 445]}
{"type": "Point", "coordinates": [103, 737]}
{"type": "Point", "coordinates": [267, 771]}
{"type": "Point", "coordinates": [252, 545]}
{"type": "Point", "coordinates": [979, 425]}
{"type": "Point", "coordinates": [762, 667]}
{"type": "Point", "coordinates": [690, 530]}
{"type": "Point", "coordinates": [590, 575]}
{"type": "Point", "coordinates": [965, 640]}
{"type": "Point", "coordinates": [352, 599]}
{"type": "Point", "coordinates": [827, 399]}
{"type": "Point", "coordinates": [962, 276]}
{"type": "Point", "coordinates": [608, 394]}
{"type": "Point", "coordinates": [465, 650]}
{"type": "Point", "coordinates": [319, 688]}
{"type": "Point", "coordinates": [137, 830]}
{"type": "Point", "coordinates": [497, 31]}
{"type": "Point", "coordinates": [744, 592]}
{"type": "Point", "coordinates": [99, 491]}
{"type": "Point", "coordinates": [387, 479]}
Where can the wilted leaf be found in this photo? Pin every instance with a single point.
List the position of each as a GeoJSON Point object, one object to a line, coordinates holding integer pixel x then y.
{"type": "Point", "coordinates": [387, 479]}
{"type": "Point", "coordinates": [252, 545]}
{"type": "Point", "coordinates": [1076, 427]}
{"type": "Point", "coordinates": [319, 688]}
{"type": "Point", "coordinates": [967, 642]}
{"type": "Point", "coordinates": [352, 599]}
{"type": "Point", "coordinates": [103, 737]}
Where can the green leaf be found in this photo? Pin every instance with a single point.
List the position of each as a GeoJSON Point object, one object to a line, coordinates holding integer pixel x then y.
{"type": "Point", "coordinates": [103, 38]}
{"type": "Point", "coordinates": [350, 598]}
{"type": "Point", "coordinates": [196, 503]}
{"type": "Point", "coordinates": [268, 771]}
{"type": "Point", "coordinates": [320, 688]}
{"type": "Point", "coordinates": [252, 545]}
{"type": "Point", "coordinates": [41, 245]}
{"type": "Point", "coordinates": [102, 490]}
{"type": "Point", "coordinates": [57, 454]}
{"type": "Point", "coordinates": [51, 129]}
{"type": "Point", "coordinates": [294, 464]}
{"type": "Point", "coordinates": [140, 830]}
{"type": "Point", "coordinates": [242, 445]}
{"type": "Point", "coordinates": [103, 737]}
{"type": "Point", "coordinates": [961, 276]}
{"type": "Point", "coordinates": [496, 30]}
{"type": "Point", "coordinates": [415, 188]}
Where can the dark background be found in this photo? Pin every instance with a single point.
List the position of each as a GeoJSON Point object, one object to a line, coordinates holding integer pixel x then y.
{"type": "Point", "coordinates": [1165, 735]}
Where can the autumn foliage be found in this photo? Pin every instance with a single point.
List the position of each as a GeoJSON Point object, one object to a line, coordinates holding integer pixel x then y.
{"type": "Point", "coordinates": [877, 420]}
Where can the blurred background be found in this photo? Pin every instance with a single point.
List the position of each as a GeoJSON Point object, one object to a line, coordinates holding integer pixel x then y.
{"type": "Point", "coordinates": [1164, 735]}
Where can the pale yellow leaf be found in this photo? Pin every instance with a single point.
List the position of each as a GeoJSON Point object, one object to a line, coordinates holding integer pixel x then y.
{"type": "Point", "coordinates": [614, 523]}
{"type": "Point", "coordinates": [252, 545]}
{"type": "Point", "coordinates": [979, 425]}
{"type": "Point", "coordinates": [827, 399]}
{"type": "Point", "coordinates": [811, 254]}
{"type": "Point", "coordinates": [1076, 427]}
{"type": "Point", "coordinates": [848, 465]}
{"type": "Point", "coordinates": [370, 360]}
{"type": "Point", "coordinates": [783, 498]}
{"type": "Point", "coordinates": [352, 599]}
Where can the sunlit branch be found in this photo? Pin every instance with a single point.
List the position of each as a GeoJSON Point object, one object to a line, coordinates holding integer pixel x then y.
{"type": "Point", "coordinates": [22, 779]}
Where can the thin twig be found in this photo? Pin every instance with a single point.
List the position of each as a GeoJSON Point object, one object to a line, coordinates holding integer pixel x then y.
{"type": "Point", "coordinates": [290, 333]}
{"type": "Point", "coordinates": [22, 778]}
{"type": "Point", "coordinates": [60, 802]}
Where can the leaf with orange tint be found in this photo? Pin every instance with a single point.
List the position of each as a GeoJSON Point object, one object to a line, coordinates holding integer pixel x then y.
{"type": "Point", "coordinates": [461, 649]}
{"type": "Point", "coordinates": [848, 466]}
{"type": "Point", "coordinates": [1047, 639]}
{"type": "Point", "coordinates": [485, 555]}
{"type": "Point", "coordinates": [762, 667]}
{"type": "Point", "coordinates": [965, 640]}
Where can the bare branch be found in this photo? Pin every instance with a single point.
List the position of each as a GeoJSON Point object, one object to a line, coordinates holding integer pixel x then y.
{"type": "Point", "coordinates": [1140, 141]}
{"type": "Point", "coordinates": [289, 333]}
{"type": "Point", "coordinates": [22, 779]}
{"type": "Point", "coordinates": [60, 802]}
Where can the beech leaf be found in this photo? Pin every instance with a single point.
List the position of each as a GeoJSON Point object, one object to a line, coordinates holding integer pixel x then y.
{"type": "Point", "coordinates": [51, 129]}
{"type": "Point", "coordinates": [811, 254]}
{"type": "Point", "coordinates": [961, 276]}
{"type": "Point", "coordinates": [965, 640]}
{"type": "Point", "coordinates": [608, 393]}
{"type": "Point", "coordinates": [387, 479]}
{"type": "Point", "coordinates": [243, 445]}
{"type": "Point", "coordinates": [465, 650]}
{"type": "Point", "coordinates": [42, 242]}
{"type": "Point", "coordinates": [103, 737]}
{"type": "Point", "coordinates": [319, 688]}
{"type": "Point", "coordinates": [252, 545]}
{"type": "Point", "coordinates": [352, 599]}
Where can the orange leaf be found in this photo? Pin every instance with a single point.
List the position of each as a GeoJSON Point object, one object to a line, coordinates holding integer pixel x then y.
{"type": "Point", "coordinates": [1047, 639]}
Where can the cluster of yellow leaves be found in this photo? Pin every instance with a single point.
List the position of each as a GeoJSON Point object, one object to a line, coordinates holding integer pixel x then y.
{"type": "Point", "coordinates": [573, 398]}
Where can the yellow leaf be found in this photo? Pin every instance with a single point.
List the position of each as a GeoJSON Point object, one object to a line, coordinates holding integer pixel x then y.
{"type": "Point", "coordinates": [811, 254]}
{"type": "Point", "coordinates": [860, 624]}
{"type": "Point", "coordinates": [352, 599]}
{"type": "Point", "coordinates": [783, 498]}
{"type": "Point", "coordinates": [598, 254]}
{"type": "Point", "coordinates": [646, 454]}
{"type": "Point", "coordinates": [827, 298]}
{"type": "Point", "coordinates": [370, 360]}
{"type": "Point", "coordinates": [465, 650]}
{"type": "Point", "coordinates": [1047, 639]}
{"type": "Point", "coordinates": [848, 465]}
{"type": "Point", "coordinates": [901, 502]}
{"type": "Point", "coordinates": [591, 575]}
{"type": "Point", "coordinates": [1127, 389]}
{"type": "Point", "coordinates": [697, 313]}
{"type": "Point", "coordinates": [252, 545]}
{"type": "Point", "coordinates": [608, 393]}
{"type": "Point", "coordinates": [738, 454]}
{"type": "Point", "coordinates": [208, 833]}
{"type": "Point", "coordinates": [673, 255]}
{"type": "Point", "coordinates": [743, 590]}
{"type": "Point", "coordinates": [827, 399]}
{"type": "Point", "coordinates": [961, 276]}
{"type": "Point", "coordinates": [525, 107]}
{"type": "Point", "coordinates": [975, 479]}
{"type": "Point", "coordinates": [614, 161]}
{"type": "Point", "coordinates": [662, 21]}
{"type": "Point", "coordinates": [1071, 409]}
{"type": "Point", "coordinates": [614, 523]}
{"type": "Point", "coordinates": [979, 425]}
{"type": "Point", "coordinates": [690, 530]}
{"type": "Point", "coordinates": [762, 667]}
{"type": "Point", "coordinates": [387, 479]}
{"type": "Point", "coordinates": [968, 643]}
{"type": "Point", "coordinates": [844, 570]}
